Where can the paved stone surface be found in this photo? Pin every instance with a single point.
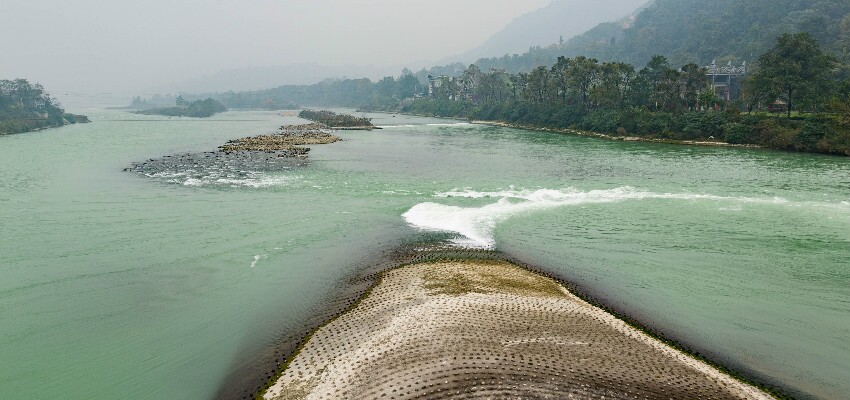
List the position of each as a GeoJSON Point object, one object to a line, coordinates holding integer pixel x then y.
{"type": "Point", "coordinates": [490, 330]}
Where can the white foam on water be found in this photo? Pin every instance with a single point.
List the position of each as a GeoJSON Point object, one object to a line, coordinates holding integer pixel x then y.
{"type": "Point", "coordinates": [256, 182]}
{"type": "Point", "coordinates": [475, 225]}
{"type": "Point", "coordinates": [167, 175]}
{"type": "Point", "coordinates": [257, 259]}
{"type": "Point", "coordinates": [449, 124]}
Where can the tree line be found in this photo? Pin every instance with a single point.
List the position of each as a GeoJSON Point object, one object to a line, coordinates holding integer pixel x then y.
{"type": "Point", "coordinates": [663, 102]}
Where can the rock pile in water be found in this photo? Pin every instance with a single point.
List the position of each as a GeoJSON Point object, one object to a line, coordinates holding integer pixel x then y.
{"type": "Point", "coordinates": [284, 140]}
{"type": "Point", "coordinates": [240, 162]}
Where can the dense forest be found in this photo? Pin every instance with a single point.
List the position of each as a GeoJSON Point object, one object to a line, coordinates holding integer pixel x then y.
{"type": "Point", "coordinates": [26, 107]}
{"type": "Point", "coordinates": [663, 102]}
{"type": "Point", "coordinates": [184, 108]}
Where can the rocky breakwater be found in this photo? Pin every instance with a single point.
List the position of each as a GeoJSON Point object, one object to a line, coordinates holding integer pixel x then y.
{"type": "Point", "coordinates": [284, 142]}
{"type": "Point", "coordinates": [253, 161]}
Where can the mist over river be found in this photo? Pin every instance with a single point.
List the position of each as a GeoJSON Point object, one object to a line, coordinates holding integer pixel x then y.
{"type": "Point", "coordinates": [159, 285]}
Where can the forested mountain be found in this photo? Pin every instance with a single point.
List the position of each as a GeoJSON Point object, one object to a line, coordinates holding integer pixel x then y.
{"type": "Point", "coordinates": [698, 31]}
{"type": "Point", "coordinates": [561, 18]}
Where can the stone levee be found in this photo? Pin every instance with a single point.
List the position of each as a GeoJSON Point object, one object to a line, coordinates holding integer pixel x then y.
{"type": "Point", "coordinates": [487, 330]}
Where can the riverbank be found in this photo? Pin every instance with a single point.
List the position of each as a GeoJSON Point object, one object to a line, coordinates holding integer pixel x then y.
{"type": "Point", "coordinates": [440, 325]}
{"type": "Point", "coordinates": [708, 143]}
{"type": "Point", "coordinates": [809, 133]}
{"type": "Point", "coordinates": [16, 126]}
{"type": "Point", "coordinates": [529, 127]}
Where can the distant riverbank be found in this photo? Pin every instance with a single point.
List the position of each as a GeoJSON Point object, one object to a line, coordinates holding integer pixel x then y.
{"type": "Point", "coordinates": [27, 107]}
{"type": "Point", "coordinates": [530, 127]}
{"type": "Point", "coordinates": [807, 133]}
{"type": "Point", "coordinates": [15, 126]}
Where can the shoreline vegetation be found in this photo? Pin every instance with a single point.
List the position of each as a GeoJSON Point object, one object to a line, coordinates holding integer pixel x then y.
{"type": "Point", "coordinates": [336, 121]}
{"type": "Point", "coordinates": [195, 109]}
{"type": "Point", "coordinates": [795, 100]}
{"type": "Point", "coordinates": [435, 321]}
{"type": "Point", "coordinates": [27, 107]}
{"type": "Point", "coordinates": [708, 143]}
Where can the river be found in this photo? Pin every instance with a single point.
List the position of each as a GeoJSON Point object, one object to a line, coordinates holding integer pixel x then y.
{"type": "Point", "coordinates": [118, 284]}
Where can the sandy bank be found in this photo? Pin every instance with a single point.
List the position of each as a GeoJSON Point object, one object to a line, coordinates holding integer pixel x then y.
{"type": "Point", "coordinates": [489, 329]}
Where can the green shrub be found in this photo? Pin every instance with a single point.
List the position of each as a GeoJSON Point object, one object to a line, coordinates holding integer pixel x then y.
{"type": "Point", "coordinates": [812, 133]}
{"type": "Point", "coordinates": [737, 133]}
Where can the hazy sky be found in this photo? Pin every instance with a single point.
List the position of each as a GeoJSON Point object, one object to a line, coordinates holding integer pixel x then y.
{"type": "Point", "coordinates": [144, 45]}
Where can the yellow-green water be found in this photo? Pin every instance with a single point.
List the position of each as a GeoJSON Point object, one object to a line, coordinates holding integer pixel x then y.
{"type": "Point", "coordinates": [116, 284]}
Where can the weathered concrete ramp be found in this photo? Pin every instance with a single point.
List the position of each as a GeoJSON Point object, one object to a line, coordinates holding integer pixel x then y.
{"type": "Point", "coordinates": [490, 330]}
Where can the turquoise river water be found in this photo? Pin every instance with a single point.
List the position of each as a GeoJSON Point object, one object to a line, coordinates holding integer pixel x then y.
{"type": "Point", "coordinates": [115, 284]}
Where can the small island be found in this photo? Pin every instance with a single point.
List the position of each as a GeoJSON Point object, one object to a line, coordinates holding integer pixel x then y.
{"type": "Point", "coordinates": [338, 121]}
{"type": "Point", "coordinates": [183, 108]}
{"type": "Point", "coordinates": [27, 107]}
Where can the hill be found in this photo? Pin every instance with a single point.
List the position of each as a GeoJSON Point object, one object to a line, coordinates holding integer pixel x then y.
{"type": "Point", "coordinates": [561, 18]}
{"type": "Point", "coordinates": [698, 31]}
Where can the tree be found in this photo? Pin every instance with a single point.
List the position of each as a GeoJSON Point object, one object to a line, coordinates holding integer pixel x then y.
{"type": "Point", "coordinates": [561, 78]}
{"type": "Point", "coordinates": [407, 85]}
{"type": "Point", "coordinates": [471, 80]}
{"type": "Point", "coordinates": [797, 69]}
{"type": "Point", "coordinates": [755, 89]}
{"type": "Point", "coordinates": [386, 87]}
{"type": "Point", "coordinates": [537, 90]}
{"type": "Point", "coordinates": [582, 74]}
{"type": "Point", "coordinates": [695, 82]}
{"type": "Point", "coordinates": [657, 74]}
{"type": "Point", "coordinates": [614, 80]}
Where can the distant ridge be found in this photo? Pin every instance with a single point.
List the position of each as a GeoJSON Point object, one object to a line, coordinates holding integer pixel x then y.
{"type": "Point", "coordinates": [696, 31]}
{"type": "Point", "coordinates": [561, 18]}
{"type": "Point", "coordinates": [256, 78]}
